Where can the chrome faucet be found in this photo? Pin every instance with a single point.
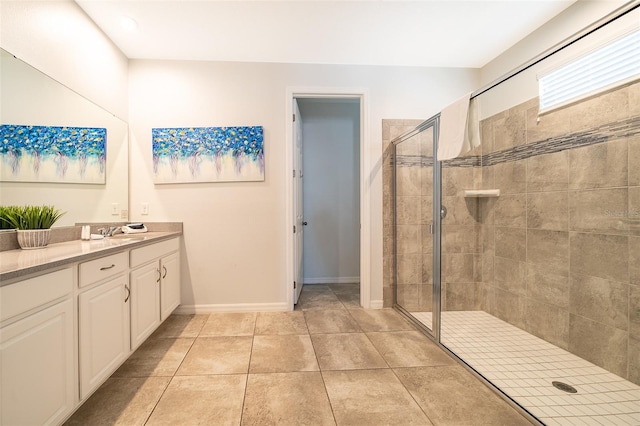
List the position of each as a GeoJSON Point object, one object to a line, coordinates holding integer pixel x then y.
{"type": "Point", "coordinates": [110, 231]}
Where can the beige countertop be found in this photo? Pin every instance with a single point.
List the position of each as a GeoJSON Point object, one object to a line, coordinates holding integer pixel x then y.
{"type": "Point", "coordinates": [18, 263]}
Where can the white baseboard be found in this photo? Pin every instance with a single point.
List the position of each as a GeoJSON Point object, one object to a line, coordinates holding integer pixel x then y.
{"type": "Point", "coordinates": [332, 280]}
{"type": "Point", "coordinates": [376, 304]}
{"type": "Point", "coordinates": [231, 307]}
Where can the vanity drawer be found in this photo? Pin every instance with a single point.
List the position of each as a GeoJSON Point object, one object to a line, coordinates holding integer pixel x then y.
{"type": "Point", "coordinates": [28, 294]}
{"type": "Point", "coordinates": [96, 270]}
{"type": "Point", "coordinates": [148, 253]}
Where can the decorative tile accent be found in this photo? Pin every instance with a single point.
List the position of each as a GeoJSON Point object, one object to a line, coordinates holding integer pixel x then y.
{"type": "Point", "coordinates": [605, 133]}
{"type": "Point", "coordinates": [608, 132]}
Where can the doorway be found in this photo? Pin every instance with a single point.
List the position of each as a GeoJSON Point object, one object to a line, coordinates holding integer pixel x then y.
{"type": "Point", "coordinates": [329, 200]}
{"type": "Point", "coordinates": [330, 177]}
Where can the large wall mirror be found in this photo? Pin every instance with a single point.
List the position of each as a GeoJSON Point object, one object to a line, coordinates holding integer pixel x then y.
{"type": "Point", "coordinates": [29, 97]}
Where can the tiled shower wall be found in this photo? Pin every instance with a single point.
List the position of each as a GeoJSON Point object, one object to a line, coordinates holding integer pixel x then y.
{"type": "Point", "coordinates": [461, 258]}
{"type": "Point", "coordinates": [561, 245]}
{"type": "Point", "coordinates": [558, 253]}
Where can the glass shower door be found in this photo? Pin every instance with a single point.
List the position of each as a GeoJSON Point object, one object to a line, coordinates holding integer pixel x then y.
{"type": "Point", "coordinates": [414, 225]}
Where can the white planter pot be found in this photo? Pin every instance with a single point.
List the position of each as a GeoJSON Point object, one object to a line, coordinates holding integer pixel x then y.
{"type": "Point", "coordinates": [33, 238]}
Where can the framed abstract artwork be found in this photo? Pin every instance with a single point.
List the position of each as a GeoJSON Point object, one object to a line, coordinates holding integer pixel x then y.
{"type": "Point", "coordinates": [208, 154]}
{"type": "Point", "coordinates": [52, 154]}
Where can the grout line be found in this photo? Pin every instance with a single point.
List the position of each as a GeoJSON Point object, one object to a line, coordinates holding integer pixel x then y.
{"type": "Point", "coordinates": [246, 382]}
{"type": "Point", "coordinates": [176, 370]}
{"type": "Point", "coordinates": [324, 383]}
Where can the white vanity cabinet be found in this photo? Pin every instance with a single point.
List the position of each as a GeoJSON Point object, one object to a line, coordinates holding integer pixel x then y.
{"type": "Point", "coordinates": [103, 319]}
{"type": "Point", "coordinates": [37, 367]}
{"type": "Point", "coordinates": [66, 329]}
{"type": "Point", "coordinates": [155, 287]}
{"type": "Point", "coordinates": [145, 302]}
{"type": "Point", "coordinates": [169, 284]}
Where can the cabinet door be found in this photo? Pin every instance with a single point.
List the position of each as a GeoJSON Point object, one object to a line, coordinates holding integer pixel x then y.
{"type": "Point", "coordinates": [104, 332]}
{"type": "Point", "coordinates": [170, 284]}
{"type": "Point", "coordinates": [145, 302]}
{"type": "Point", "coordinates": [37, 369]}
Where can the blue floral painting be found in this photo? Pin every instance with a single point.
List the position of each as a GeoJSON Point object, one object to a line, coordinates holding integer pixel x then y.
{"type": "Point", "coordinates": [52, 154]}
{"type": "Point", "coordinates": [208, 154]}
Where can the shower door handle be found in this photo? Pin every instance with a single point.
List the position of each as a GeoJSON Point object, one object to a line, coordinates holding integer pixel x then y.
{"type": "Point", "coordinates": [443, 212]}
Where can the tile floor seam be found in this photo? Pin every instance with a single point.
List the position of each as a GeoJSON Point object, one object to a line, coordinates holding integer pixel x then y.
{"type": "Point", "coordinates": [412, 395]}
{"type": "Point", "coordinates": [174, 374]}
{"type": "Point", "coordinates": [377, 350]}
{"type": "Point", "coordinates": [246, 382]}
{"type": "Point", "coordinates": [158, 401]}
{"type": "Point", "coordinates": [324, 384]}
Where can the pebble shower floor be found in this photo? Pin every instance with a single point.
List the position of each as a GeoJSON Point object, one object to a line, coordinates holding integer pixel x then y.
{"type": "Point", "coordinates": [523, 366]}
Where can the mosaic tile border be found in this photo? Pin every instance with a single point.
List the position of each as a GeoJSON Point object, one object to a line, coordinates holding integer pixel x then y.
{"type": "Point", "coordinates": [612, 131]}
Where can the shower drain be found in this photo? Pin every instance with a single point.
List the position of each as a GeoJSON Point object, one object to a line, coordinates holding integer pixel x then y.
{"type": "Point", "coordinates": [564, 387]}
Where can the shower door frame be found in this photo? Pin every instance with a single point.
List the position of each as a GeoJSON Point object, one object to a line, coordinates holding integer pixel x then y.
{"type": "Point", "coordinates": [432, 124]}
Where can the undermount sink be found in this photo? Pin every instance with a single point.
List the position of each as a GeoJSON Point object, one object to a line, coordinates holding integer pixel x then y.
{"type": "Point", "coordinates": [128, 237]}
{"type": "Point", "coordinates": [120, 239]}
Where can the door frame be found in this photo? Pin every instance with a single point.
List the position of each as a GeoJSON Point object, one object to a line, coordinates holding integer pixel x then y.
{"type": "Point", "coordinates": [365, 183]}
{"type": "Point", "coordinates": [298, 208]}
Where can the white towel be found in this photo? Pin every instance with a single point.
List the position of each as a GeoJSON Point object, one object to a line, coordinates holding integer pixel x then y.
{"type": "Point", "coordinates": [459, 128]}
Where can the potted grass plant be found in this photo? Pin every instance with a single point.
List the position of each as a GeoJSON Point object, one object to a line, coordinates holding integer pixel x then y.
{"type": "Point", "coordinates": [32, 223]}
{"type": "Point", "coordinates": [4, 223]}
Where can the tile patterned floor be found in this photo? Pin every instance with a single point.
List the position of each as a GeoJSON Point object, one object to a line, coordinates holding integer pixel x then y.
{"type": "Point", "coordinates": [329, 362]}
{"type": "Point", "coordinates": [524, 366]}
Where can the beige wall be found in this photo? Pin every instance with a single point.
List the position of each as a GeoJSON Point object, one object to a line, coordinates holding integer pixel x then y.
{"type": "Point", "coordinates": [573, 19]}
{"type": "Point", "coordinates": [59, 39]}
{"type": "Point", "coordinates": [235, 233]}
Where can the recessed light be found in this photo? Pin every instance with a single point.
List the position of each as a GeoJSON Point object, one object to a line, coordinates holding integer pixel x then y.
{"type": "Point", "coordinates": [128, 24]}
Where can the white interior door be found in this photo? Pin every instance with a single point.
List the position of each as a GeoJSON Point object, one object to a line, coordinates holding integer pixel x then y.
{"type": "Point", "coordinates": [297, 201]}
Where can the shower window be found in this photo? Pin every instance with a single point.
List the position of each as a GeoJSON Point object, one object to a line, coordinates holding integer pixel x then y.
{"type": "Point", "coordinates": [611, 65]}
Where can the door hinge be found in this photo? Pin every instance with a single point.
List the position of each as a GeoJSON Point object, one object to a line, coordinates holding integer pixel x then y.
{"type": "Point", "coordinates": [294, 173]}
{"type": "Point", "coordinates": [295, 285]}
{"type": "Point", "coordinates": [294, 118]}
{"type": "Point", "coordinates": [294, 229]}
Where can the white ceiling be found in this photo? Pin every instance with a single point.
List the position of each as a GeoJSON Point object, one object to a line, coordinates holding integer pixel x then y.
{"type": "Point", "coordinates": [445, 33]}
